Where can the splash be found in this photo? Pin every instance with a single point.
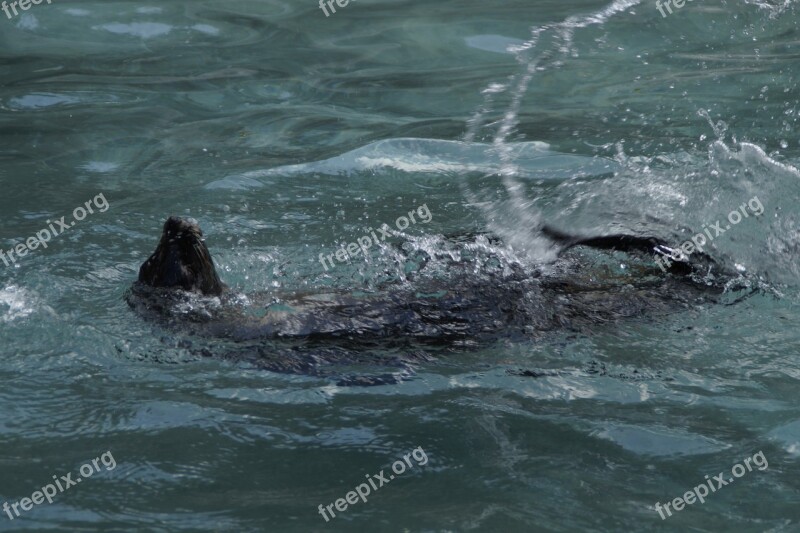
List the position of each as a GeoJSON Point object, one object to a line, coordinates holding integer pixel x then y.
{"type": "Point", "coordinates": [14, 304]}
{"type": "Point", "coordinates": [549, 46]}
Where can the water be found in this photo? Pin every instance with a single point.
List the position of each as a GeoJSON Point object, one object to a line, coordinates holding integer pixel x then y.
{"type": "Point", "coordinates": [286, 133]}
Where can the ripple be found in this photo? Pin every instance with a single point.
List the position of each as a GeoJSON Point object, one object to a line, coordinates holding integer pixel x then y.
{"type": "Point", "coordinates": [149, 10]}
{"type": "Point", "coordinates": [28, 22]}
{"type": "Point", "coordinates": [77, 12]}
{"type": "Point", "coordinates": [40, 100]}
{"type": "Point", "coordinates": [429, 156]}
{"type": "Point", "coordinates": [788, 436]}
{"type": "Point", "coordinates": [145, 30]}
{"type": "Point", "coordinates": [498, 44]}
{"type": "Point", "coordinates": [206, 28]}
{"type": "Point", "coordinates": [659, 441]}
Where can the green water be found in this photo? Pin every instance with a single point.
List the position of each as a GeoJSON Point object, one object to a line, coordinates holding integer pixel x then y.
{"type": "Point", "coordinates": [286, 134]}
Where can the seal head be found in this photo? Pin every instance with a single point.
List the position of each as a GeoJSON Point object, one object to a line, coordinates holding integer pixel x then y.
{"type": "Point", "coordinates": [182, 260]}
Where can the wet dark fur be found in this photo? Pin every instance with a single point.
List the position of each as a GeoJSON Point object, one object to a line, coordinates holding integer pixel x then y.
{"type": "Point", "coordinates": [468, 309]}
{"type": "Point", "coordinates": [182, 260]}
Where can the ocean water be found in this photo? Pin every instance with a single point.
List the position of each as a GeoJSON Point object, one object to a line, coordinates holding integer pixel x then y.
{"type": "Point", "coordinates": [288, 133]}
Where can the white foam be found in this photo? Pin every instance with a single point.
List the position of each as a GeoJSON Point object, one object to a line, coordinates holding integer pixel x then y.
{"type": "Point", "coordinates": [14, 304]}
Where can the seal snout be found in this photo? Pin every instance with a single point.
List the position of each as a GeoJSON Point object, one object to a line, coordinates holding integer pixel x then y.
{"type": "Point", "coordinates": [177, 226]}
{"type": "Point", "coordinates": [182, 260]}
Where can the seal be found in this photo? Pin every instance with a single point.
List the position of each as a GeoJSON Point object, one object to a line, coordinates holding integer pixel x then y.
{"type": "Point", "coordinates": [474, 303]}
{"type": "Point", "coordinates": [466, 306]}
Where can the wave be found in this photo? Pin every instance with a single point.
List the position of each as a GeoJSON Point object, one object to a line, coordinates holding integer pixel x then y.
{"type": "Point", "coordinates": [535, 160]}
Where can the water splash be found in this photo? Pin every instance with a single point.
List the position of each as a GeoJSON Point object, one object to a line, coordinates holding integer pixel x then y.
{"type": "Point", "coordinates": [549, 46]}
{"type": "Point", "coordinates": [15, 303]}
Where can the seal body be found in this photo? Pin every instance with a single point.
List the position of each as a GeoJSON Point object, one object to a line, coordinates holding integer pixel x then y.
{"type": "Point", "coordinates": [468, 306]}
{"type": "Point", "coordinates": [403, 324]}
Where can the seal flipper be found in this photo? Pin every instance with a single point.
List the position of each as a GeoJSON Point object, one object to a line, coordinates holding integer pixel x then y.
{"type": "Point", "coordinates": [678, 262]}
{"type": "Point", "coordinates": [620, 241]}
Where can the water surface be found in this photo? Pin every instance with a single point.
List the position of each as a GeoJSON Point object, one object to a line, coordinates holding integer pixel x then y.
{"type": "Point", "coordinates": [287, 133]}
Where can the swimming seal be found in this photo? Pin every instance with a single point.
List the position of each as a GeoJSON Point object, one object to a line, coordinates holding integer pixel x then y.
{"type": "Point", "coordinates": [396, 327]}
{"type": "Point", "coordinates": [468, 306]}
